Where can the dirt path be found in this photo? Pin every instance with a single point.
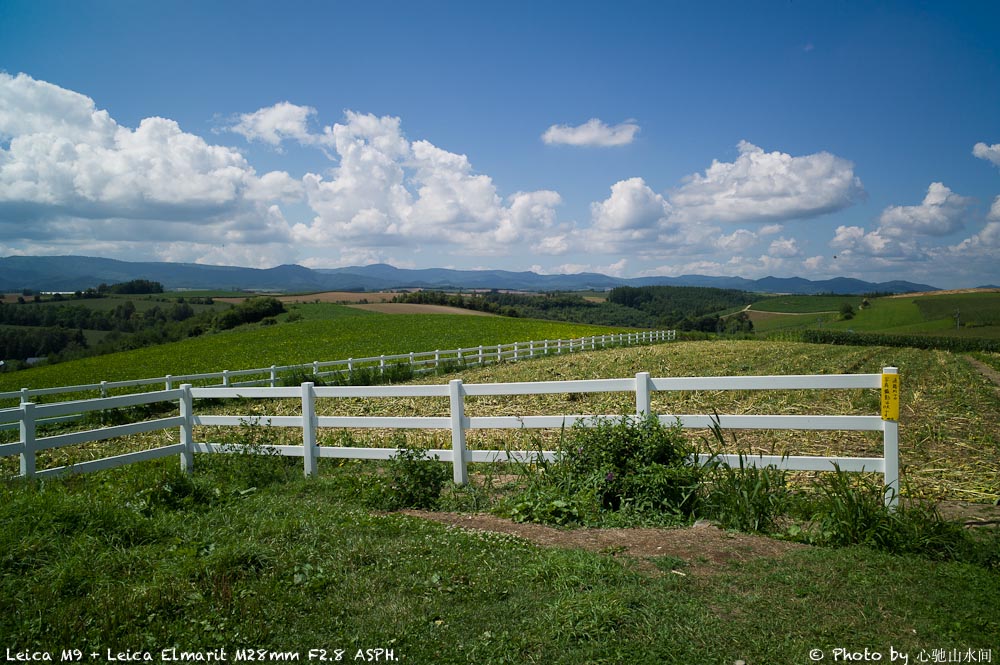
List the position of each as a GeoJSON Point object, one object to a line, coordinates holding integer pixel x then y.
{"type": "Point", "coordinates": [985, 370]}
{"type": "Point", "coordinates": [702, 549]}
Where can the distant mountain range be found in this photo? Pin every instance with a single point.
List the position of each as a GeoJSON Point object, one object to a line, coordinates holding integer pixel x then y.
{"type": "Point", "coordinates": [73, 273]}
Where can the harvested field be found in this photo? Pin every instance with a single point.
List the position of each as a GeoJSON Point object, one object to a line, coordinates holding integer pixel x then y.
{"type": "Point", "coordinates": [410, 308]}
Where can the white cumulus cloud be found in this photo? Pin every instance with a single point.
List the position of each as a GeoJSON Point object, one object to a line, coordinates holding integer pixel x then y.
{"type": "Point", "coordinates": [941, 212]}
{"type": "Point", "coordinates": [594, 133]}
{"type": "Point", "coordinates": [632, 216]}
{"type": "Point", "coordinates": [70, 175]}
{"type": "Point", "coordinates": [768, 187]}
{"type": "Point", "coordinates": [389, 191]}
{"type": "Point", "coordinates": [784, 248]}
{"type": "Point", "coordinates": [274, 124]}
{"type": "Point", "coordinates": [988, 152]}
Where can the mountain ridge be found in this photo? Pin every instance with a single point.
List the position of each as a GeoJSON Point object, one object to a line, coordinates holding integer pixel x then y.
{"type": "Point", "coordinates": [73, 273]}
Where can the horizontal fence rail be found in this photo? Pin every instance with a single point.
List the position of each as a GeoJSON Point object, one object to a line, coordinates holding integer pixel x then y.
{"type": "Point", "coordinates": [419, 362]}
{"type": "Point", "coordinates": [458, 423]}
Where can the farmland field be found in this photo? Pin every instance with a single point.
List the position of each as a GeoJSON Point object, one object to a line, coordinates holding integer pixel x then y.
{"type": "Point", "coordinates": [327, 297]}
{"type": "Point", "coordinates": [143, 558]}
{"type": "Point", "coordinates": [326, 332]}
{"type": "Point", "coordinates": [950, 421]}
{"type": "Point", "coordinates": [903, 315]}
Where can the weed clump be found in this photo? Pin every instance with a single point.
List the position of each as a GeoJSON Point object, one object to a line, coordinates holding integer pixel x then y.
{"type": "Point", "coordinates": [411, 479]}
{"type": "Point", "coordinates": [626, 470]}
{"type": "Point", "coordinates": [852, 511]}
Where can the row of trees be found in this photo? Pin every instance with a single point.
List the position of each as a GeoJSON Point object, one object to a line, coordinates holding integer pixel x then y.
{"type": "Point", "coordinates": [38, 343]}
{"type": "Point", "coordinates": [684, 308]}
{"type": "Point", "coordinates": [124, 317]}
{"type": "Point", "coordinates": [551, 306]}
{"type": "Point", "coordinates": [56, 331]}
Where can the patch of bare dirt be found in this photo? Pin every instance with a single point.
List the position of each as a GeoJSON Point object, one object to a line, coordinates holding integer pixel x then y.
{"type": "Point", "coordinates": [971, 515]}
{"type": "Point", "coordinates": [703, 547]}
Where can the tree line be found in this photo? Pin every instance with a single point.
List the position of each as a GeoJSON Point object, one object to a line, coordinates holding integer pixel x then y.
{"type": "Point", "coordinates": [684, 308]}
{"type": "Point", "coordinates": [55, 332]}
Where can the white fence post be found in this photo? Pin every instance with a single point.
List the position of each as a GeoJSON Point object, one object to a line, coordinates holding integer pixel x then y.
{"type": "Point", "coordinates": [381, 364]}
{"type": "Point", "coordinates": [28, 439]}
{"type": "Point", "coordinates": [315, 367]}
{"type": "Point", "coordinates": [456, 394]}
{"type": "Point", "coordinates": [274, 376]}
{"type": "Point", "coordinates": [643, 403]}
{"type": "Point", "coordinates": [187, 429]}
{"type": "Point", "coordinates": [168, 382]}
{"type": "Point", "coordinates": [104, 388]}
{"type": "Point", "coordinates": [437, 358]}
{"type": "Point", "coordinates": [26, 396]}
{"type": "Point", "coordinates": [309, 423]}
{"type": "Point", "coordinates": [890, 434]}
{"type": "Point", "coordinates": [225, 378]}
{"type": "Point", "coordinates": [480, 361]}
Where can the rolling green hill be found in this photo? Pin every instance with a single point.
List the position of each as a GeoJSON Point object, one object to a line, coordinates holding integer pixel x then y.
{"type": "Point", "coordinates": [328, 332]}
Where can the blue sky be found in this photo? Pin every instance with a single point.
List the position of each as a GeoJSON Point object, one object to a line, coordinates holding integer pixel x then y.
{"type": "Point", "coordinates": [817, 139]}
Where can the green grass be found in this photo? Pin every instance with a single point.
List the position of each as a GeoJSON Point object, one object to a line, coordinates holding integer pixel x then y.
{"type": "Point", "coordinates": [142, 559]}
{"type": "Point", "coordinates": [326, 332]}
{"type": "Point", "coordinates": [805, 304]}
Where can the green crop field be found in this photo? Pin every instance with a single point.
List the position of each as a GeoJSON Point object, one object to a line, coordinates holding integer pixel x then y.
{"type": "Point", "coordinates": [928, 314]}
{"type": "Point", "coordinates": [804, 304]}
{"type": "Point", "coordinates": [326, 332]}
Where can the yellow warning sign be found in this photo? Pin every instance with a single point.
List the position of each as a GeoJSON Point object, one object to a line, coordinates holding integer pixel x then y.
{"type": "Point", "coordinates": [890, 397]}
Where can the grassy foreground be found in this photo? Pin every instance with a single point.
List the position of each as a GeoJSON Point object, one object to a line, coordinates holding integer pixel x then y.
{"type": "Point", "coordinates": [246, 554]}
{"type": "Point", "coordinates": [249, 557]}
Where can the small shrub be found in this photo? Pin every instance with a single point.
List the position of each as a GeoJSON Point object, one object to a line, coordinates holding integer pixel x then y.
{"type": "Point", "coordinates": [631, 461]}
{"type": "Point", "coordinates": [251, 461]}
{"type": "Point", "coordinates": [412, 479]}
{"type": "Point", "coordinates": [634, 469]}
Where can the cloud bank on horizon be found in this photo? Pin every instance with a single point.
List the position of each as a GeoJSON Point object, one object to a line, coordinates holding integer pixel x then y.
{"type": "Point", "coordinates": [74, 180]}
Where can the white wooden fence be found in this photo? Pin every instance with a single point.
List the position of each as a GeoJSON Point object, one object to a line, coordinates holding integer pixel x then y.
{"type": "Point", "coordinates": [458, 423]}
{"type": "Point", "coordinates": [419, 363]}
